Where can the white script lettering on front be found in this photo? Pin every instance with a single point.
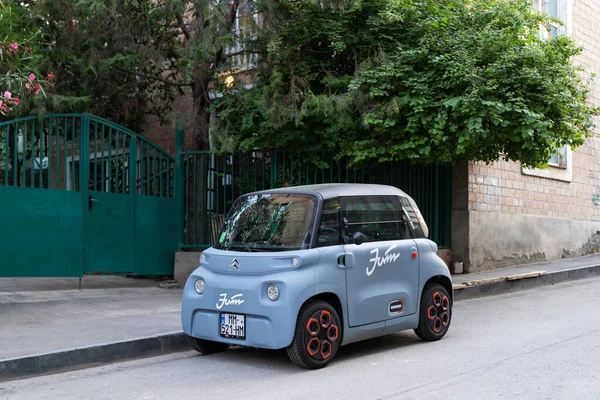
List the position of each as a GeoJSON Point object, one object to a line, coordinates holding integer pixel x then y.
{"type": "Point", "coordinates": [379, 261]}
{"type": "Point", "coordinates": [235, 300]}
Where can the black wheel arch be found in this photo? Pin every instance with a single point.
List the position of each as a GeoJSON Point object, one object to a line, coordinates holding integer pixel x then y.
{"type": "Point", "coordinates": [442, 280]}
{"type": "Point", "coordinates": [332, 299]}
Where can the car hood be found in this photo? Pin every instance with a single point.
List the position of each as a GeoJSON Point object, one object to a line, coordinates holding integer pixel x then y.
{"type": "Point", "coordinates": [241, 262]}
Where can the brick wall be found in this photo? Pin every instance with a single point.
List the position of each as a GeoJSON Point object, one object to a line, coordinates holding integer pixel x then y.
{"type": "Point", "coordinates": [503, 215]}
{"type": "Point", "coordinates": [502, 187]}
{"type": "Point", "coordinates": [163, 135]}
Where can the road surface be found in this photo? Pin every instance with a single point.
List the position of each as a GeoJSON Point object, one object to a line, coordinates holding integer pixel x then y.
{"type": "Point", "coordinates": [537, 344]}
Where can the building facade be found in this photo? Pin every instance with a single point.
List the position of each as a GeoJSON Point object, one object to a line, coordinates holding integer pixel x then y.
{"type": "Point", "coordinates": [504, 214]}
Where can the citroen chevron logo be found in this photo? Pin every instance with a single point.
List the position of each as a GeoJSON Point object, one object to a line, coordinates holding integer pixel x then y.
{"type": "Point", "coordinates": [234, 264]}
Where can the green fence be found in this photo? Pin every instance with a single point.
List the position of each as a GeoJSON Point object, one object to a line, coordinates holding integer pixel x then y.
{"type": "Point", "coordinates": [211, 182]}
{"type": "Point", "coordinates": [80, 194]}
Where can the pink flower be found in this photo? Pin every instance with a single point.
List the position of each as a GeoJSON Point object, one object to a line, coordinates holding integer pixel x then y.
{"type": "Point", "coordinates": [14, 46]}
{"type": "Point", "coordinates": [16, 100]}
{"type": "Point", "coordinates": [32, 77]}
{"type": "Point", "coordinates": [3, 107]}
{"type": "Point", "coordinates": [7, 94]}
{"type": "Point", "coordinates": [27, 86]}
{"type": "Point", "coordinates": [50, 76]}
{"type": "Point", "coordinates": [36, 89]}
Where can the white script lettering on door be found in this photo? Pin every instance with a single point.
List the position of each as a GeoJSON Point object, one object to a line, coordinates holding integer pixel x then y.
{"type": "Point", "coordinates": [233, 301]}
{"type": "Point", "coordinates": [380, 261]}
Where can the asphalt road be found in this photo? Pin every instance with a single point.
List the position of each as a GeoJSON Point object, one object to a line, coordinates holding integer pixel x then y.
{"type": "Point", "coordinates": [538, 344]}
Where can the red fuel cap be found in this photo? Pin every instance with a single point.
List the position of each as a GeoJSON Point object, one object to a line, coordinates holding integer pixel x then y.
{"type": "Point", "coordinates": [414, 254]}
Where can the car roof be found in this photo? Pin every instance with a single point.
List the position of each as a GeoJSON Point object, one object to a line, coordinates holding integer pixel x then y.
{"type": "Point", "coordinates": [330, 190]}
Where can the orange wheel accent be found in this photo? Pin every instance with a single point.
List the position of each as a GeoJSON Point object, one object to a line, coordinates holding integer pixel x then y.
{"type": "Point", "coordinates": [312, 326]}
{"type": "Point", "coordinates": [437, 299]}
{"type": "Point", "coordinates": [313, 346]}
{"type": "Point", "coordinates": [437, 325]}
{"type": "Point", "coordinates": [445, 303]}
{"type": "Point", "coordinates": [322, 336]}
{"type": "Point", "coordinates": [432, 313]}
{"type": "Point", "coordinates": [325, 318]}
{"type": "Point", "coordinates": [332, 333]}
{"type": "Point", "coordinates": [445, 319]}
{"type": "Point", "coordinates": [325, 349]}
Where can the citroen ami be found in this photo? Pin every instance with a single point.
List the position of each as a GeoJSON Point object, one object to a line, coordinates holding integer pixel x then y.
{"type": "Point", "coordinates": [312, 268]}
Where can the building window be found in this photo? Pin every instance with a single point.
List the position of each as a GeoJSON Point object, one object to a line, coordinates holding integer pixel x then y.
{"type": "Point", "coordinates": [561, 162]}
{"type": "Point", "coordinates": [559, 159]}
{"type": "Point", "coordinates": [244, 31]}
{"type": "Point", "coordinates": [559, 9]}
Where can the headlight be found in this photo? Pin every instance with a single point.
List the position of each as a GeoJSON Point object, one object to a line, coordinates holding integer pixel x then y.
{"type": "Point", "coordinates": [273, 292]}
{"type": "Point", "coordinates": [199, 286]}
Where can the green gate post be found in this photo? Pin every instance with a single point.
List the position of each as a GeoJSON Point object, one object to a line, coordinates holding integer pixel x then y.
{"type": "Point", "coordinates": [273, 170]}
{"type": "Point", "coordinates": [84, 154]}
{"type": "Point", "coordinates": [179, 142]}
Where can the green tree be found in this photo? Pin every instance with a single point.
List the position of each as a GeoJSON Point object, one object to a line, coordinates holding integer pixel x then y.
{"type": "Point", "coordinates": [428, 81]}
{"type": "Point", "coordinates": [130, 58]}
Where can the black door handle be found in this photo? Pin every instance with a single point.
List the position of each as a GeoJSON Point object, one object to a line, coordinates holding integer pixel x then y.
{"type": "Point", "coordinates": [91, 200]}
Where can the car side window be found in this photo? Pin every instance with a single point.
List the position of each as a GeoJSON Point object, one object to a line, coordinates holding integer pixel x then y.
{"type": "Point", "coordinates": [330, 224]}
{"type": "Point", "coordinates": [379, 218]}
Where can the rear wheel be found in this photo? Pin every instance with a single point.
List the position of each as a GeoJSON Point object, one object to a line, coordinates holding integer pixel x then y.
{"type": "Point", "coordinates": [435, 313]}
{"type": "Point", "coordinates": [206, 346]}
{"type": "Point", "coordinates": [317, 337]}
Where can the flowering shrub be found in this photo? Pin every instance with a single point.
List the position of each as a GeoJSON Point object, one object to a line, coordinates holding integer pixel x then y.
{"type": "Point", "coordinates": [17, 79]}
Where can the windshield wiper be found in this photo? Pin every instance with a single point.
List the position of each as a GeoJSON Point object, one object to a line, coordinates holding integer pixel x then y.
{"type": "Point", "coordinates": [245, 247]}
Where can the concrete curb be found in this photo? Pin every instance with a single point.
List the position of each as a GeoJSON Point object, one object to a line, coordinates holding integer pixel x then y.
{"type": "Point", "coordinates": [514, 283]}
{"type": "Point", "coordinates": [92, 356]}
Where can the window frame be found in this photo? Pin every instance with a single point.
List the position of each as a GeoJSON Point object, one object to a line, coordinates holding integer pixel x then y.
{"type": "Point", "coordinates": [563, 169]}
{"type": "Point", "coordinates": [394, 200]}
{"type": "Point", "coordinates": [319, 221]}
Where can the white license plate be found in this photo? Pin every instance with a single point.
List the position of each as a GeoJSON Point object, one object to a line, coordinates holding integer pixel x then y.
{"type": "Point", "coordinates": [233, 326]}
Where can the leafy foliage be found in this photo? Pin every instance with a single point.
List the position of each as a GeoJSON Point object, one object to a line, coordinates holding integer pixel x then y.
{"type": "Point", "coordinates": [429, 81]}
{"type": "Point", "coordinates": [126, 59]}
{"type": "Point", "coordinates": [20, 79]}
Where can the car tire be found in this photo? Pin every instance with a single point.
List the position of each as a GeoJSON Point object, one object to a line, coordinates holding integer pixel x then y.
{"type": "Point", "coordinates": [435, 313]}
{"type": "Point", "coordinates": [206, 346]}
{"type": "Point", "coordinates": [317, 336]}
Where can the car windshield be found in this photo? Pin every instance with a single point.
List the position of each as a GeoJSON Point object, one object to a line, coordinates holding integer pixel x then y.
{"type": "Point", "coordinates": [269, 222]}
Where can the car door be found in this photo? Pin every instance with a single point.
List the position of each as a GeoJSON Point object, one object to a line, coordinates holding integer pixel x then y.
{"type": "Point", "coordinates": [382, 273]}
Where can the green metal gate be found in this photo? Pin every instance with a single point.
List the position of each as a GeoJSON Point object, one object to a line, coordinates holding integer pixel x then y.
{"type": "Point", "coordinates": [79, 195]}
{"type": "Point", "coordinates": [211, 182]}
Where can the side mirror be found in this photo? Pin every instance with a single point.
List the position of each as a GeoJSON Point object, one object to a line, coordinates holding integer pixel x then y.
{"type": "Point", "coordinates": [358, 238]}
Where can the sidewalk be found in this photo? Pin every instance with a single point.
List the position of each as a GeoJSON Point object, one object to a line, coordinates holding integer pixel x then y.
{"type": "Point", "coordinates": [48, 325]}
{"type": "Point", "coordinates": [505, 280]}
{"type": "Point", "coordinates": [37, 319]}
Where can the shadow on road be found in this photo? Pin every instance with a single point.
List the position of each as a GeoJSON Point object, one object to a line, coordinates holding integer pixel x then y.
{"type": "Point", "coordinates": [278, 359]}
{"type": "Point", "coordinates": [378, 345]}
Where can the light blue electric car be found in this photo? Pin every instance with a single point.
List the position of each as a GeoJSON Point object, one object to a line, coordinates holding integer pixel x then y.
{"type": "Point", "coordinates": [311, 268]}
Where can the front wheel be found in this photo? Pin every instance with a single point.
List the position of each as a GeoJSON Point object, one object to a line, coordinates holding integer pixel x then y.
{"type": "Point", "coordinates": [206, 346]}
{"type": "Point", "coordinates": [317, 337]}
{"type": "Point", "coordinates": [435, 313]}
